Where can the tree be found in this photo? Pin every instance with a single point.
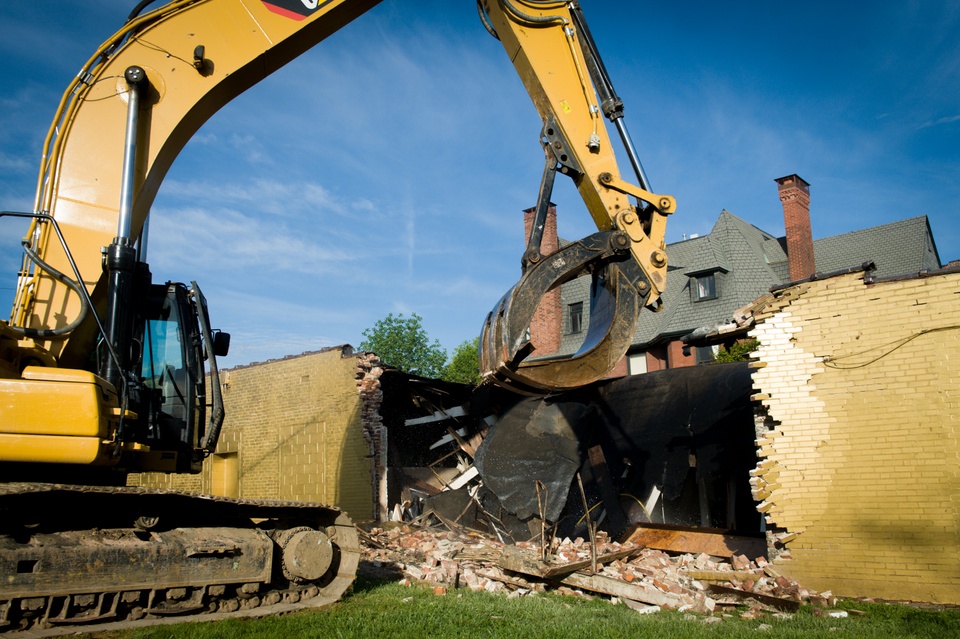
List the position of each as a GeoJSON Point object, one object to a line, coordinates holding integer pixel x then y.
{"type": "Point", "coordinates": [402, 342]}
{"type": "Point", "coordinates": [739, 351]}
{"type": "Point", "coordinates": [464, 365]}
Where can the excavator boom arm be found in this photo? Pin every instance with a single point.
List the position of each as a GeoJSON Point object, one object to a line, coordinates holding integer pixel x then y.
{"type": "Point", "coordinates": [199, 54]}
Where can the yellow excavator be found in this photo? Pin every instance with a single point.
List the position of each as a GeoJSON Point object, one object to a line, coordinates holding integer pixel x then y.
{"type": "Point", "coordinates": [104, 372]}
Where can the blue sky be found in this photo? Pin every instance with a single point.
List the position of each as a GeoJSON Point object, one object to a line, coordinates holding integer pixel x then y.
{"type": "Point", "coordinates": [386, 169]}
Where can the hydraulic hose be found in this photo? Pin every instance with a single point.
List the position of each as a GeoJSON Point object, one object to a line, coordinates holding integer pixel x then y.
{"type": "Point", "coordinates": [512, 10]}
{"type": "Point", "coordinates": [74, 286]}
{"type": "Point", "coordinates": [485, 20]}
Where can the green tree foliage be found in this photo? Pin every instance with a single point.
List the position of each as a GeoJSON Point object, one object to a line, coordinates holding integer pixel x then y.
{"type": "Point", "coordinates": [738, 352]}
{"type": "Point", "coordinates": [464, 365]}
{"type": "Point", "coordinates": [402, 342]}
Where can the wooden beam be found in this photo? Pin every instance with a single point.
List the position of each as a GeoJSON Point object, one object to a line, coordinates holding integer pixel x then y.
{"type": "Point", "coordinates": [622, 589]}
{"type": "Point", "coordinates": [438, 416]}
{"type": "Point", "coordinates": [692, 540]}
{"type": "Point", "coordinates": [786, 605]}
{"type": "Point", "coordinates": [461, 480]}
{"type": "Point", "coordinates": [604, 482]}
{"type": "Point", "coordinates": [518, 560]}
{"type": "Point", "coordinates": [464, 446]}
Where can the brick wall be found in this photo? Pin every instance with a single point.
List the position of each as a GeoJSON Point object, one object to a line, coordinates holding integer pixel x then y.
{"type": "Point", "coordinates": [297, 427]}
{"type": "Point", "coordinates": [546, 327]}
{"type": "Point", "coordinates": [657, 358]}
{"type": "Point", "coordinates": [620, 370]}
{"type": "Point", "coordinates": [677, 358]}
{"type": "Point", "coordinates": [858, 452]}
{"type": "Point", "coordinates": [795, 197]}
{"type": "Point", "coordinates": [369, 370]}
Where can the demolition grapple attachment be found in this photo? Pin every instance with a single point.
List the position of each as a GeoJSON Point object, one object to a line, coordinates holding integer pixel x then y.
{"type": "Point", "coordinates": [507, 356]}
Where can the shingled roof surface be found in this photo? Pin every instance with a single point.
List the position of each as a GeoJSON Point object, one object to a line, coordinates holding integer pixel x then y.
{"type": "Point", "coordinates": [748, 262]}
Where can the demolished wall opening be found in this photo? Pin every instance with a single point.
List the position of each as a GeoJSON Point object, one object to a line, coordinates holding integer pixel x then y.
{"type": "Point", "coordinates": [673, 447]}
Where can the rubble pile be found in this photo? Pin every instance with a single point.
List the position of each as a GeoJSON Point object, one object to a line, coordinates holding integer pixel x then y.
{"type": "Point", "coordinates": [646, 579]}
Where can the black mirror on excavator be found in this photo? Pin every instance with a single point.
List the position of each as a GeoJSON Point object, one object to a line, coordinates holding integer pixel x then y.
{"type": "Point", "coordinates": [221, 343]}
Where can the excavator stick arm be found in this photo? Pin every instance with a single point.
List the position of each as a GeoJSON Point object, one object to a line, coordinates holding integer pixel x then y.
{"type": "Point", "coordinates": [555, 57]}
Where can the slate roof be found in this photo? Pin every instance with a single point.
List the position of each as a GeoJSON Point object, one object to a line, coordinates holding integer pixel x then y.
{"type": "Point", "coordinates": [748, 262]}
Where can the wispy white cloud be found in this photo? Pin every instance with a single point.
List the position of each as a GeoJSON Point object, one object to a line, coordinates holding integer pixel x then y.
{"type": "Point", "coordinates": [944, 120]}
{"type": "Point", "coordinates": [270, 196]}
{"type": "Point", "coordinates": [227, 239]}
{"type": "Point", "coordinates": [14, 163]}
{"type": "Point", "coordinates": [249, 148]}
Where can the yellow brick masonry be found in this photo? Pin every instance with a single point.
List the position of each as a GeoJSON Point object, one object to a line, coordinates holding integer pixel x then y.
{"type": "Point", "coordinates": [861, 384]}
{"type": "Point", "coordinates": [295, 424]}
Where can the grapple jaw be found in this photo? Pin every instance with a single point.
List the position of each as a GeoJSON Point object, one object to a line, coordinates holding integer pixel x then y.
{"type": "Point", "coordinates": [507, 357]}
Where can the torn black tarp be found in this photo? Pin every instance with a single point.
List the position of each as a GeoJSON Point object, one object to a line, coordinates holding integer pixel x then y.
{"type": "Point", "coordinates": [533, 441]}
{"type": "Point", "coordinates": [656, 430]}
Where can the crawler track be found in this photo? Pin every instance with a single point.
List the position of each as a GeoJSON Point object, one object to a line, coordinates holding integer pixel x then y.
{"type": "Point", "coordinates": [99, 558]}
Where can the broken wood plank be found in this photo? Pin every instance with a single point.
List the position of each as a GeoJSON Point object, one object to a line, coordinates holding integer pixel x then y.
{"type": "Point", "coordinates": [464, 446]}
{"type": "Point", "coordinates": [525, 562]}
{"type": "Point", "coordinates": [446, 439]}
{"type": "Point", "coordinates": [453, 527]}
{"type": "Point", "coordinates": [438, 416]}
{"type": "Point", "coordinates": [463, 478]}
{"type": "Point", "coordinates": [574, 566]}
{"type": "Point", "coordinates": [786, 605]}
{"type": "Point", "coordinates": [721, 575]}
{"type": "Point", "coordinates": [427, 489]}
{"type": "Point", "coordinates": [601, 476]}
{"type": "Point", "coordinates": [693, 540]}
{"type": "Point", "coordinates": [622, 589]}
{"type": "Point", "coordinates": [510, 581]}
{"type": "Point", "coordinates": [517, 560]}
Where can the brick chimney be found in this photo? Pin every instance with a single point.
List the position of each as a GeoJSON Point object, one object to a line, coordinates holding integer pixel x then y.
{"type": "Point", "coordinates": [545, 327]}
{"type": "Point", "coordinates": [795, 196]}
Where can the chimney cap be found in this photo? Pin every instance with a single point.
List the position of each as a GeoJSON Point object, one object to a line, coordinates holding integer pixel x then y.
{"type": "Point", "coordinates": [550, 205]}
{"type": "Point", "coordinates": [792, 180]}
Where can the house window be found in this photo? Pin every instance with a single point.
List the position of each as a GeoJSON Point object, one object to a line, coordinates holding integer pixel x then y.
{"type": "Point", "coordinates": [706, 287]}
{"type": "Point", "coordinates": [576, 317]}
{"type": "Point", "coordinates": [705, 284]}
{"type": "Point", "coordinates": [637, 363]}
{"type": "Point", "coordinates": [706, 354]}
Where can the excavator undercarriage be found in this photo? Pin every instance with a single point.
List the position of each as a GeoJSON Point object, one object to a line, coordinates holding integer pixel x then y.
{"type": "Point", "coordinates": [94, 555]}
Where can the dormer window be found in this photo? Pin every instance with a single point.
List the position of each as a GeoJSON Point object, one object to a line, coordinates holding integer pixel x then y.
{"type": "Point", "coordinates": [705, 285]}
{"type": "Point", "coordinates": [576, 318]}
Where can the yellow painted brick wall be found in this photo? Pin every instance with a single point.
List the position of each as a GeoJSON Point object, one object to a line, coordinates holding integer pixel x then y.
{"type": "Point", "coordinates": [296, 426]}
{"type": "Point", "coordinates": [862, 382]}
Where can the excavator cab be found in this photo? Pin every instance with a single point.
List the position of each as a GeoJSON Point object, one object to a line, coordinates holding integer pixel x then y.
{"type": "Point", "coordinates": [173, 390]}
{"type": "Point", "coordinates": [141, 399]}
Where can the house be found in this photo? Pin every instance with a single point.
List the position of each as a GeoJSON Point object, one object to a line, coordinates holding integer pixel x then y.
{"type": "Point", "coordinates": [713, 275]}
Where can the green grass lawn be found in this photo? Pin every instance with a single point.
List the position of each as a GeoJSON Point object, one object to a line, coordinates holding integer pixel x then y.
{"type": "Point", "coordinates": [392, 611]}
